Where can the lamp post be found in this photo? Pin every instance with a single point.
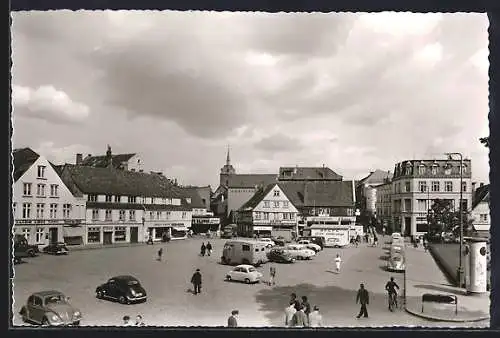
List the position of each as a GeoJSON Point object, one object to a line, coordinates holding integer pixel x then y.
{"type": "Point", "coordinates": [461, 237]}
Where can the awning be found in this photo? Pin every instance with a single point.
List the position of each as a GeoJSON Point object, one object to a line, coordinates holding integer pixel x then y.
{"type": "Point", "coordinates": [179, 228]}
{"type": "Point", "coordinates": [262, 228]}
{"type": "Point", "coordinates": [481, 227]}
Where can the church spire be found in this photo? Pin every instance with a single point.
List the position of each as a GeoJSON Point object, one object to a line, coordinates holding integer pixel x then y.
{"type": "Point", "coordinates": [228, 158]}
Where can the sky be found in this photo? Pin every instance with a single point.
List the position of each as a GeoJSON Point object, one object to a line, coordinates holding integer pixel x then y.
{"type": "Point", "coordinates": [353, 91]}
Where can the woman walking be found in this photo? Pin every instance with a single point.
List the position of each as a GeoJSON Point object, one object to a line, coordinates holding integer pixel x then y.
{"type": "Point", "coordinates": [338, 261]}
{"type": "Point", "coordinates": [203, 249]}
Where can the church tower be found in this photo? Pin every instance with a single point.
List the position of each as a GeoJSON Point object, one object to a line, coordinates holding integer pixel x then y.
{"type": "Point", "coordinates": [226, 171]}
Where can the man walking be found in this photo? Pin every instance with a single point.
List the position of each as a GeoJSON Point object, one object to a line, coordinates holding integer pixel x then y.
{"type": "Point", "coordinates": [232, 320]}
{"type": "Point", "coordinates": [338, 261]}
{"type": "Point", "coordinates": [203, 249]}
{"type": "Point", "coordinates": [160, 253]}
{"type": "Point", "coordinates": [196, 281]}
{"type": "Point", "coordinates": [272, 275]}
{"type": "Point", "coordinates": [363, 298]}
{"type": "Point", "coordinates": [209, 248]}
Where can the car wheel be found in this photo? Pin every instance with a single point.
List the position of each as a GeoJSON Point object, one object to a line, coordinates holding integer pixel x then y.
{"type": "Point", "coordinates": [45, 322]}
{"type": "Point", "coordinates": [122, 300]}
{"type": "Point", "coordinates": [247, 281]}
{"type": "Point", "coordinates": [228, 278]}
{"type": "Point", "coordinates": [100, 294]}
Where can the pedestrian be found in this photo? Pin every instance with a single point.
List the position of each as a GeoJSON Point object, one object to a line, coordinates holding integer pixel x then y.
{"type": "Point", "coordinates": [383, 232]}
{"type": "Point", "coordinates": [363, 298]}
{"type": "Point", "coordinates": [289, 312]}
{"type": "Point", "coordinates": [232, 320]}
{"type": "Point", "coordinates": [338, 261]}
{"type": "Point", "coordinates": [272, 275]}
{"type": "Point", "coordinates": [300, 318]}
{"type": "Point", "coordinates": [196, 281]}
{"type": "Point", "coordinates": [306, 306]}
{"type": "Point", "coordinates": [358, 239]}
{"type": "Point", "coordinates": [126, 321]}
{"type": "Point", "coordinates": [375, 240]}
{"type": "Point", "coordinates": [315, 318]}
{"type": "Point", "coordinates": [294, 301]}
{"type": "Point", "coordinates": [139, 321]}
{"type": "Point", "coordinates": [160, 253]}
{"type": "Point", "coordinates": [209, 248]}
{"type": "Point", "coordinates": [203, 249]}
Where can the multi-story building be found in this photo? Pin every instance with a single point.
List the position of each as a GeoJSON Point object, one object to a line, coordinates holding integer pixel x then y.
{"type": "Point", "coordinates": [127, 206]}
{"type": "Point", "coordinates": [383, 204]}
{"type": "Point", "coordinates": [417, 183]}
{"type": "Point", "coordinates": [366, 194]}
{"type": "Point", "coordinates": [268, 212]}
{"type": "Point", "coordinates": [202, 220]}
{"type": "Point", "coordinates": [44, 209]}
{"type": "Point", "coordinates": [480, 213]}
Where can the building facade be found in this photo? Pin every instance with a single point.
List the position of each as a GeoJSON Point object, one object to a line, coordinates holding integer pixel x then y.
{"type": "Point", "coordinates": [417, 183]}
{"type": "Point", "coordinates": [242, 187]}
{"type": "Point", "coordinates": [268, 212]}
{"type": "Point", "coordinates": [127, 206]}
{"type": "Point", "coordinates": [44, 209]}
{"type": "Point", "coordinates": [202, 220]}
{"type": "Point", "coordinates": [383, 204]}
{"type": "Point", "coordinates": [366, 195]}
{"type": "Point", "coordinates": [480, 214]}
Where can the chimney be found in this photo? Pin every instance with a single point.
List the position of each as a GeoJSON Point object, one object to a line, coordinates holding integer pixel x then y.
{"type": "Point", "coordinates": [79, 159]}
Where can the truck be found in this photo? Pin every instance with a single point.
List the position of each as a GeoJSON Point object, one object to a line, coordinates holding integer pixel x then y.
{"type": "Point", "coordinates": [229, 231]}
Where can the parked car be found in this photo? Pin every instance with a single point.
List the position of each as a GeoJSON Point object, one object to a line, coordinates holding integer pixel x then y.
{"type": "Point", "coordinates": [280, 241]}
{"type": "Point", "coordinates": [396, 236]}
{"type": "Point", "coordinates": [310, 245]}
{"type": "Point", "coordinates": [268, 241]}
{"type": "Point", "coordinates": [299, 251]}
{"type": "Point", "coordinates": [23, 249]}
{"type": "Point", "coordinates": [396, 263]}
{"type": "Point", "coordinates": [58, 248]}
{"type": "Point", "coordinates": [244, 273]}
{"type": "Point", "coordinates": [124, 289]}
{"type": "Point", "coordinates": [279, 255]}
{"type": "Point", "coordinates": [318, 240]}
{"type": "Point", "coordinates": [50, 308]}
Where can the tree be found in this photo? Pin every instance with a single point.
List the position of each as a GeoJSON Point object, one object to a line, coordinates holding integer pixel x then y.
{"type": "Point", "coordinates": [442, 218]}
{"type": "Point", "coordinates": [485, 141]}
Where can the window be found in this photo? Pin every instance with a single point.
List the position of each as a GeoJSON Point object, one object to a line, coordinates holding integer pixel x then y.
{"type": "Point", "coordinates": [421, 169]}
{"type": "Point", "coordinates": [448, 186]}
{"type": "Point", "coordinates": [285, 204]}
{"type": "Point", "coordinates": [434, 170]}
{"type": "Point", "coordinates": [285, 216]}
{"type": "Point", "coordinates": [422, 205]}
{"type": "Point", "coordinates": [66, 210]}
{"type": "Point", "coordinates": [132, 199]}
{"type": "Point", "coordinates": [27, 189]}
{"type": "Point", "coordinates": [121, 215]}
{"type": "Point", "coordinates": [407, 205]}
{"type": "Point", "coordinates": [422, 227]}
{"type": "Point", "coordinates": [257, 215]}
{"type": "Point", "coordinates": [184, 214]}
{"type": "Point", "coordinates": [53, 210]}
{"type": "Point", "coordinates": [94, 234]}
{"type": "Point", "coordinates": [39, 235]}
{"type": "Point", "coordinates": [95, 214]}
{"type": "Point", "coordinates": [169, 201]}
{"type": "Point", "coordinates": [108, 216]}
{"type": "Point", "coordinates": [120, 234]}
{"type": "Point", "coordinates": [168, 214]}
{"type": "Point", "coordinates": [483, 217]}
{"type": "Point", "coordinates": [152, 200]}
{"type": "Point", "coordinates": [292, 216]}
{"type": "Point", "coordinates": [435, 185]}
{"type": "Point", "coordinates": [276, 193]}
{"type": "Point", "coordinates": [53, 190]}
{"type": "Point", "coordinates": [276, 204]}
{"type": "Point", "coordinates": [131, 215]}
{"type": "Point", "coordinates": [407, 186]}
{"type": "Point", "coordinates": [26, 210]}
{"type": "Point", "coordinates": [464, 168]}
{"type": "Point", "coordinates": [39, 210]}
{"type": "Point", "coordinates": [464, 205]}
{"type": "Point", "coordinates": [40, 190]}
{"type": "Point", "coordinates": [14, 209]}
{"type": "Point", "coordinates": [422, 186]}
{"type": "Point", "coordinates": [109, 198]}
{"type": "Point", "coordinates": [464, 186]}
{"type": "Point", "coordinates": [38, 301]}
{"type": "Point", "coordinates": [151, 215]}
{"type": "Point", "coordinates": [117, 199]}
{"type": "Point", "coordinates": [266, 204]}
{"type": "Point", "coordinates": [26, 233]}
{"type": "Point", "coordinates": [266, 216]}
{"type": "Point", "coordinates": [158, 215]}
{"type": "Point", "coordinates": [41, 171]}
{"type": "Point", "coordinates": [92, 198]}
{"type": "Point", "coordinates": [245, 247]}
{"type": "Point", "coordinates": [447, 169]}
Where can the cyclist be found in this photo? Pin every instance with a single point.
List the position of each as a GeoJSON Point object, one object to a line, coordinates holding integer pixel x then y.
{"type": "Point", "coordinates": [391, 287]}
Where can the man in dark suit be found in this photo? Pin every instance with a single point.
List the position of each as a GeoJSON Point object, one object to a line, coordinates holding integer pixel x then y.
{"type": "Point", "coordinates": [363, 298]}
{"type": "Point", "coordinates": [196, 281]}
{"type": "Point", "coordinates": [231, 321]}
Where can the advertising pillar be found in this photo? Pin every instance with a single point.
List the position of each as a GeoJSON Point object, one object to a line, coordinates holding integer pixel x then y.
{"type": "Point", "coordinates": [476, 269]}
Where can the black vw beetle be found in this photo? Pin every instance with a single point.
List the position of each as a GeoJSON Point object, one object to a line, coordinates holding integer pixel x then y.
{"type": "Point", "coordinates": [124, 289]}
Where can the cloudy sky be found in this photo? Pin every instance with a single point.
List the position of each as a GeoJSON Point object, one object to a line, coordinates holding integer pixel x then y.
{"type": "Point", "coordinates": [355, 92]}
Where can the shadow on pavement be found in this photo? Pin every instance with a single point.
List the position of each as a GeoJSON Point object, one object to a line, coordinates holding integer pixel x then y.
{"type": "Point", "coordinates": [335, 303]}
{"type": "Point", "coordinates": [441, 288]}
{"type": "Point", "coordinates": [384, 257]}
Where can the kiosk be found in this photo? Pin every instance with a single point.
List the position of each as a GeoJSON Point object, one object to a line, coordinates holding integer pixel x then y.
{"type": "Point", "coordinates": [476, 274]}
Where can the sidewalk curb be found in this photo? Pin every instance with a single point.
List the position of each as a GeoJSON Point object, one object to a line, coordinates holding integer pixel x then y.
{"type": "Point", "coordinates": [441, 319]}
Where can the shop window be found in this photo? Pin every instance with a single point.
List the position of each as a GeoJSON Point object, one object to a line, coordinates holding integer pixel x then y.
{"type": "Point", "coordinates": [422, 227]}
{"type": "Point", "coordinates": [94, 235]}
{"type": "Point", "coordinates": [120, 234]}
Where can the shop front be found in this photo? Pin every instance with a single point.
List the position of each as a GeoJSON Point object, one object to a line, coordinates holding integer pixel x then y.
{"type": "Point", "coordinates": [40, 232]}
{"type": "Point", "coordinates": [204, 224]}
{"type": "Point", "coordinates": [73, 234]}
{"type": "Point", "coordinates": [160, 231]}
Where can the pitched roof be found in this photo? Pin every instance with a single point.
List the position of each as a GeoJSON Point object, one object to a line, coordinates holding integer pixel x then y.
{"type": "Point", "coordinates": [376, 177]}
{"type": "Point", "coordinates": [102, 162]}
{"type": "Point", "coordinates": [309, 173]}
{"type": "Point", "coordinates": [250, 180]}
{"type": "Point", "coordinates": [23, 160]}
{"type": "Point", "coordinates": [196, 200]}
{"type": "Point", "coordinates": [482, 194]}
{"type": "Point", "coordinates": [109, 181]}
{"type": "Point", "coordinates": [257, 197]}
{"type": "Point", "coordinates": [329, 194]}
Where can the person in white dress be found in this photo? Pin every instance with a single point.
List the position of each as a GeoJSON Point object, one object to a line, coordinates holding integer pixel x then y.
{"type": "Point", "coordinates": [315, 318]}
{"type": "Point", "coordinates": [289, 312]}
{"type": "Point", "coordinates": [338, 261]}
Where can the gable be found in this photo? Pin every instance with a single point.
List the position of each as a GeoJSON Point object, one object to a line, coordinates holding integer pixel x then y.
{"type": "Point", "coordinates": [271, 197]}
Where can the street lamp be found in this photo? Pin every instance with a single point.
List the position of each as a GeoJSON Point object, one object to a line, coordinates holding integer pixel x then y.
{"type": "Point", "coordinates": [460, 262]}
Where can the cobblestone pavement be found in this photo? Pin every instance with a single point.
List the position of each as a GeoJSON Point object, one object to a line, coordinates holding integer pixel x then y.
{"type": "Point", "coordinates": [167, 283]}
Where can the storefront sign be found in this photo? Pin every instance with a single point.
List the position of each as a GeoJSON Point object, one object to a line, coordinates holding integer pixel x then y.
{"type": "Point", "coordinates": [322, 219]}
{"type": "Point", "coordinates": [262, 228]}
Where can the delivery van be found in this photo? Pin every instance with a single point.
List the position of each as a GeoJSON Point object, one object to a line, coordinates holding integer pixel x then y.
{"type": "Point", "coordinates": [244, 252]}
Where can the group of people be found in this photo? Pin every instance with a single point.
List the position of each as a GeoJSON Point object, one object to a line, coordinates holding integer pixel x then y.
{"type": "Point", "coordinates": [128, 322]}
{"type": "Point", "coordinates": [206, 249]}
{"type": "Point", "coordinates": [299, 313]}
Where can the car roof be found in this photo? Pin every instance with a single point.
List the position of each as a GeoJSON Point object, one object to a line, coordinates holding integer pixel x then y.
{"type": "Point", "coordinates": [125, 278]}
{"type": "Point", "coordinates": [47, 293]}
{"type": "Point", "coordinates": [244, 266]}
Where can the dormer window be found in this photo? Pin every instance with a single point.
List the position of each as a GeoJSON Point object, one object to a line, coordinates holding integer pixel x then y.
{"type": "Point", "coordinates": [434, 169]}
{"type": "Point", "coordinates": [447, 169]}
{"type": "Point", "coordinates": [276, 193]}
{"type": "Point", "coordinates": [464, 168]}
{"type": "Point", "coordinates": [408, 168]}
